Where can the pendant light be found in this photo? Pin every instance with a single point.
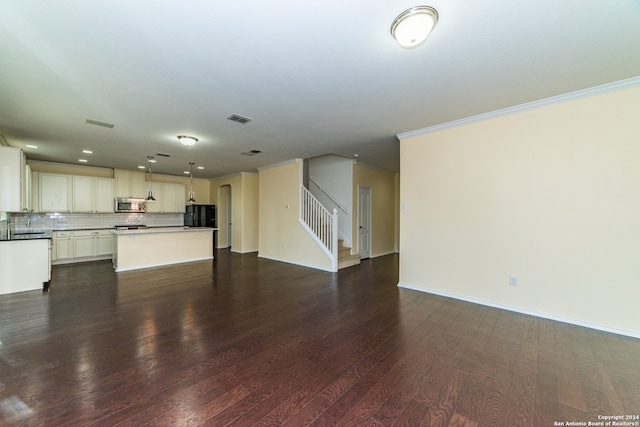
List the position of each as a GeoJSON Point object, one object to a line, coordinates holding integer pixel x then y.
{"type": "Point", "coordinates": [192, 198]}
{"type": "Point", "coordinates": [150, 197]}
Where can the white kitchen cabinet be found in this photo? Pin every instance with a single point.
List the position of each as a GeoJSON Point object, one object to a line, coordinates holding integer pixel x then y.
{"type": "Point", "coordinates": [83, 193]}
{"type": "Point", "coordinates": [35, 191]}
{"type": "Point", "coordinates": [92, 243]}
{"type": "Point", "coordinates": [92, 194]}
{"type": "Point", "coordinates": [129, 183]}
{"type": "Point", "coordinates": [55, 192]}
{"type": "Point", "coordinates": [24, 265]}
{"type": "Point", "coordinates": [170, 198]}
{"type": "Point", "coordinates": [13, 180]}
{"type": "Point", "coordinates": [61, 245]}
{"type": "Point", "coordinates": [104, 243]}
{"type": "Point", "coordinates": [82, 245]}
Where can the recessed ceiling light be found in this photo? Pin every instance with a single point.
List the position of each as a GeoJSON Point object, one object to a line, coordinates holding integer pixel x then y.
{"type": "Point", "coordinates": [152, 161]}
{"type": "Point", "coordinates": [142, 167]}
{"type": "Point", "coordinates": [87, 151]}
{"type": "Point", "coordinates": [32, 146]}
{"type": "Point", "coordinates": [186, 172]}
{"type": "Point", "coordinates": [83, 160]}
{"type": "Point", "coordinates": [201, 167]}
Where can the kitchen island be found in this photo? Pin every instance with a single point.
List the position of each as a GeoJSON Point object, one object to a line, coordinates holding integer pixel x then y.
{"type": "Point", "coordinates": [154, 247]}
{"type": "Point", "coordinates": [25, 264]}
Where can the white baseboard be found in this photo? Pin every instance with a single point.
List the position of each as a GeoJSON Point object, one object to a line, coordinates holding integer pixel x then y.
{"type": "Point", "coordinates": [317, 267]}
{"type": "Point", "coordinates": [383, 254]}
{"type": "Point", "coordinates": [628, 333]}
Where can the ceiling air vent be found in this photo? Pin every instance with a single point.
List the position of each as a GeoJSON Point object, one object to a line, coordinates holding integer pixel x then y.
{"type": "Point", "coordinates": [251, 153]}
{"type": "Point", "coordinates": [97, 123]}
{"type": "Point", "coordinates": [238, 118]}
{"type": "Point", "coordinates": [163, 155]}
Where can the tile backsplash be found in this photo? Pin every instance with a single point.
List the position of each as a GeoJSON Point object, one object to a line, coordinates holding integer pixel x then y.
{"type": "Point", "coordinates": [35, 222]}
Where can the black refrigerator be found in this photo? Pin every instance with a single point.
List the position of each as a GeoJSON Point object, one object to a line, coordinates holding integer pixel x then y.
{"type": "Point", "coordinates": [202, 216]}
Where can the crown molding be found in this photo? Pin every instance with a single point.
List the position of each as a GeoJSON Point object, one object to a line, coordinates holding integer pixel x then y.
{"type": "Point", "coordinates": [567, 97]}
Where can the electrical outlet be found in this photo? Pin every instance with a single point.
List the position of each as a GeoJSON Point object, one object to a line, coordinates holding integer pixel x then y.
{"type": "Point", "coordinates": [513, 280]}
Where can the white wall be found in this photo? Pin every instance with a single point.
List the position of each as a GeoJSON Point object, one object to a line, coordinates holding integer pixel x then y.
{"type": "Point", "coordinates": [335, 175]}
{"type": "Point", "coordinates": [550, 195]}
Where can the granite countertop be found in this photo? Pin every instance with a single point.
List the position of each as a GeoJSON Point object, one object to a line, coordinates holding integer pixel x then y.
{"type": "Point", "coordinates": [25, 236]}
{"type": "Point", "coordinates": [46, 233]}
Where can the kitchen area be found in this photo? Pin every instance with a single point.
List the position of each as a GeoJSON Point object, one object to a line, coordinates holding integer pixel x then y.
{"type": "Point", "coordinates": [59, 218]}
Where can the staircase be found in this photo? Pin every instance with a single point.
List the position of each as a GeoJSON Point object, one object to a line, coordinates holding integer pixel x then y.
{"type": "Point", "coordinates": [345, 259]}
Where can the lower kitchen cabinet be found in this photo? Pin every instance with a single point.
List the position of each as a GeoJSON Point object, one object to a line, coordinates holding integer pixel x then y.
{"type": "Point", "coordinates": [61, 245]}
{"type": "Point", "coordinates": [82, 245]}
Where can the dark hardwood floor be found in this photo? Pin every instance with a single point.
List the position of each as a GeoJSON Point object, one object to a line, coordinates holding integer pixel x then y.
{"type": "Point", "coordinates": [246, 341]}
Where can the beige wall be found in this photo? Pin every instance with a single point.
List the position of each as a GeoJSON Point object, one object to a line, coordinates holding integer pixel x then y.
{"type": "Point", "coordinates": [250, 204]}
{"type": "Point", "coordinates": [244, 211]}
{"type": "Point", "coordinates": [383, 209]}
{"type": "Point", "coordinates": [551, 196]}
{"type": "Point", "coordinates": [282, 237]}
{"type": "Point", "coordinates": [396, 229]}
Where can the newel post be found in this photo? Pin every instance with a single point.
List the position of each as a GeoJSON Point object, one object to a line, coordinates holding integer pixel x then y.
{"type": "Point", "coordinates": [334, 238]}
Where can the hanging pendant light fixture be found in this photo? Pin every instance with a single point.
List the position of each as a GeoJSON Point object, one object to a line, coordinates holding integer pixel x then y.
{"type": "Point", "coordinates": [192, 198]}
{"type": "Point", "coordinates": [150, 197]}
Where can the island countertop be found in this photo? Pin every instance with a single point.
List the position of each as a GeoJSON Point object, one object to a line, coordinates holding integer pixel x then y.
{"type": "Point", "coordinates": [168, 229]}
{"type": "Point", "coordinates": [154, 247]}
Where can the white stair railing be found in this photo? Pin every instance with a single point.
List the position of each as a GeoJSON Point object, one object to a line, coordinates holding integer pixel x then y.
{"type": "Point", "coordinates": [322, 224]}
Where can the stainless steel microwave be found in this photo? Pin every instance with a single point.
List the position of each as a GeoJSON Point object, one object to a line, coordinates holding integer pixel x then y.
{"type": "Point", "coordinates": [129, 204]}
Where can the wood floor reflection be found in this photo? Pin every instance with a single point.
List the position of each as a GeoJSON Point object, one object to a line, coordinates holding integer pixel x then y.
{"type": "Point", "coordinates": [246, 341]}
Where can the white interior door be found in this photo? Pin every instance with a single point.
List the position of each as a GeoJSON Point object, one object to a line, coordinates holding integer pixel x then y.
{"type": "Point", "coordinates": [364, 222]}
{"type": "Point", "coordinates": [229, 214]}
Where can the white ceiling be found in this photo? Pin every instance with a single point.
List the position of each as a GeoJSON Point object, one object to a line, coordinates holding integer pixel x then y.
{"type": "Point", "coordinates": [316, 77]}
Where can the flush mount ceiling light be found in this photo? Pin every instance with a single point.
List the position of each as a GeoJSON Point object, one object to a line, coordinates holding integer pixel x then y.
{"type": "Point", "coordinates": [187, 140]}
{"type": "Point", "coordinates": [413, 26]}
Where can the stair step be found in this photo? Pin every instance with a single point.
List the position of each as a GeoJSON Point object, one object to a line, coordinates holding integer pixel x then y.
{"type": "Point", "coordinates": [355, 260]}
{"type": "Point", "coordinates": [345, 259]}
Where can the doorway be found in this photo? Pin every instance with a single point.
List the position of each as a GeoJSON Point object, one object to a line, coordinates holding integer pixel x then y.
{"type": "Point", "coordinates": [364, 222]}
{"type": "Point", "coordinates": [229, 216]}
{"type": "Point", "coordinates": [224, 216]}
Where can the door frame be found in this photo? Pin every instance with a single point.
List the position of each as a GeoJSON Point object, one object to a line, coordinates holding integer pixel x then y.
{"type": "Point", "coordinates": [360, 252]}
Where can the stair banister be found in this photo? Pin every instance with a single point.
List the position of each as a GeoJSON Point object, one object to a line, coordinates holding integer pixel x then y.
{"type": "Point", "coordinates": [321, 224]}
{"type": "Point", "coordinates": [333, 199]}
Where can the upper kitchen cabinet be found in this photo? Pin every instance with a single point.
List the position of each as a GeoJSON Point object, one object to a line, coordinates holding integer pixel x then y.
{"type": "Point", "coordinates": [91, 194]}
{"type": "Point", "coordinates": [35, 191]}
{"type": "Point", "coordinates": [129, 183]}
{"type": "Point", "coordinates": [55, 192]}
{"type": "Point", "coordinates": [13, 180]}
{"type": "Point", "coordinates": [170, 198]}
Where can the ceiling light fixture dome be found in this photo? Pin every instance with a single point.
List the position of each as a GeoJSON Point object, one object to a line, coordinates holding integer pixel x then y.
{"type": "Point", "coordinates": [187, 140]}
{"type": "Point", "coordinates": [413, 26]}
